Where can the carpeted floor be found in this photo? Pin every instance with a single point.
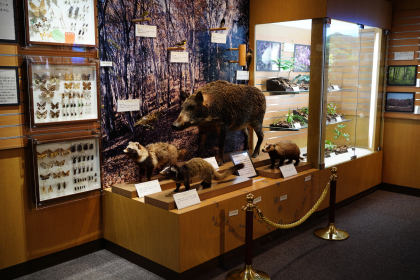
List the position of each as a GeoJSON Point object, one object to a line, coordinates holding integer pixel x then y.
{"type": "Point", "coordinates": [384, 243]}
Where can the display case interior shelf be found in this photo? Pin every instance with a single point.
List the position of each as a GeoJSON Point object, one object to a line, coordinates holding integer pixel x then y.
{"type": "Point", "coordinates": [273, 128]}
{"type": "Point", "coordinates": [62, 90]}
{"type": "Point", "coordinates": [66, 23]}
{"type": "Point", "coordinates": [66, 167]}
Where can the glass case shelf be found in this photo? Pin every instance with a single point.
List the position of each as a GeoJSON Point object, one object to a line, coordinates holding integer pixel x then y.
{"type": "Point", "coordinates": [273, 128]}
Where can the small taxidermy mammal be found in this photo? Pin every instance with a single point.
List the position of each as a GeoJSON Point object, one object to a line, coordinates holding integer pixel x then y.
{"type": "Point", "coordinates": [153, 155]}
{"type": "Point", "coordinates": [196, 167]}
{"type": "Point", "coordinates": [283, 150]}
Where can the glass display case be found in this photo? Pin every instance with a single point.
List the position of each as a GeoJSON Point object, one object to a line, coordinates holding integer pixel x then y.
{"type": "Point", "coordinates": [61, 22]}
{"type": "Point", "coordinates": [62, 90]}
{"type": "Point", "coordinates": [66, 167]}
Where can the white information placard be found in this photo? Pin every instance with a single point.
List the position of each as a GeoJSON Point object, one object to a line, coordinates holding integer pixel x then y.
{"type": "Point", "coordinates": [288, 170]}
{"type": "Point", "coordinates": [242, 75]}
{"type": "Point", "coordinates": [7, 20]}
{"type": "Point", "coordinates": [404, 55]}
{"type": "Point", "coordinates": [308, 178]}
{"type": "Point", "coordinates": [283, 197]}
{"type": "Point", "coordinates": [128, 105]}
{"type": "Point", "coordinates": [258, 199]}
{"type": "Point", "coordinates": [297, 125]}
{"type": "Point", "coordinates": [8, 87]}
{"type": "Point", "coordinates": [147, 188]}
{"type": "Point", "coordinates": [179, 57]}
{"type": "Point", "coordinates": [218, 38]}
{"type": "Point", "coordinates": [186, 199]}
{"type": "Point", "coordinates": [295, 88]}
{"type": "Point", "coordinates": [213, 162]}
{"type": "Point", "coordinates": [249, 169]}
{"type": "Point", "coordinates": [338, 119]}
{"type": "Point", "coordinates": [146, 31]}
{"type": "Point", "coordinates": [361, 115]}
{"type": "Point", "coordinates": [105, 63]}
{"type": "Point", "coordinates": [336, 87]}
{"type": "Point", "coordinates": [233, 213]}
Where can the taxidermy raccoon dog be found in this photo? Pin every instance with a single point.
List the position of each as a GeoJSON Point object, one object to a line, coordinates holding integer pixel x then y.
{"type": "Point", "coordinates": [196, 167]}
{"type": "Point", "coordinates": [153, 155]}
{"type": "Point", "coordinates": [283, 150]}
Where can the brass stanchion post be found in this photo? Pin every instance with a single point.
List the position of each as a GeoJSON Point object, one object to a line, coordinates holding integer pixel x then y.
{"type": "Point", "coordinates": [331, 232]}
{"type": "Point", "coordinates": [248, 273]}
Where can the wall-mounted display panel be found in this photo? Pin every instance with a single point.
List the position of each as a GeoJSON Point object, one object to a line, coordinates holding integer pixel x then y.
{"type": "Point", "coordinates": [402, 102]}
{"type": "Point", "coordinates": [61, 22]}
{"type": "Point", "coordinates": [8, 34]}
{"type": "Point", "coordinates": [9, 86]}
{"type": "Point", "coordinates": [62, 90]}
{"type": "Point", "coordinates": [66, 167]}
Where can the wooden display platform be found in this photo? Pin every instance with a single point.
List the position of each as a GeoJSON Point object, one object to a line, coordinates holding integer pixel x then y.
{"type": "Point", "coordinates": [165, 199]}
{"type": "Point", "coordinates": [129, 189]}
{"type": "Point", "coordinates": [266, 171]}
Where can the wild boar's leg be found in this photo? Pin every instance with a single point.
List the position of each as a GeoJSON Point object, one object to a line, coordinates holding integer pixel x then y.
{"type": "Point", "coordinates": [258, 130]}
{"type": "Point", "coordinates": [222, 141]}
{"type": "Point", "coordinates": [202, 135]}
{"type": "Point", "coordinates": [246, 143]}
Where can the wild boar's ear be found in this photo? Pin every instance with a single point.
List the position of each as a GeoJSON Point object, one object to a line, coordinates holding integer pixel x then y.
{"type": "Point", "coordinates": [183, 95]}
{"type": "Point", "coordinates": [199, 96]}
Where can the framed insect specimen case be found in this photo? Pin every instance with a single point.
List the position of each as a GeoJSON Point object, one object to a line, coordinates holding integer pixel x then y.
{"type": "Point", "coordinates": [66, 167]}
{"type": "Point", "coordinates": [62, 90]}
{"type": "Point", "coordinates": [64, 22]}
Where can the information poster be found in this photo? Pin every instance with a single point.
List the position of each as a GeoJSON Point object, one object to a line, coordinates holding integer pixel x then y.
{"type": "Point", "coordinates": [7, 18]}
{"type": "Point", "coordinates": [9, 86]}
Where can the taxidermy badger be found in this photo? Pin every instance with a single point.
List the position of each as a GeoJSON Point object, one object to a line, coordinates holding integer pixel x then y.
{"type": "Point", "coordinates": [196, 167]}
{"type": "Point", "coordinates": [283, 150]}
{"type": "Point", "coordinates": [221, 107]}
{"type": "Point", "coordinates": [153, 155]}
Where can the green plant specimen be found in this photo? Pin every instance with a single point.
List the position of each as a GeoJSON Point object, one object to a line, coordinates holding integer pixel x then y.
{"type": "Point", "coordinates": [290, 118]}
{"type": "Point", "coordinates": [340, 135]}
{"type": "Point", "coordinates": [284, 64]}
{"type": "Point", "coordinates": [301, 79]}
{"type": "Point", "coordinates": [305, 110]}
{"type": "Point", "coordinates": [329, 145]}
{"type": "Point", "coordinates": [331, 109]}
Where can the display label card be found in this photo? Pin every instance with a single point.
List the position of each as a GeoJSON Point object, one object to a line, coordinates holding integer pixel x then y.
{"type": "Point", "coordinates": [297, 125]}
{"type": "Point", "coordinates": [218, 38]}
{"type": "Point", "coordinates": [105, 63]}
{"type": "Point", "coordinates": [404, 55]}
{"type": "Point", "coordinates": [308, 178]}
{"type": "Point", "coordinates": [258, 199]}
{"type": "Point", "coordinates": [242, 75]}
{"type": "Point", "coordinates": [147, 188]}
{"type": "Point", "coordinates": [179, 57]}
{"type": "Point", "coordinates": [128, 105]}
{"type": "Point", "coordinates": [186, 199]}
{"type": "Point", "coordinates": [295, 88]}
{"type": "Point", "coordinates": [9, 89]}
{"type": "Point", "coordinates": [288, 47]}
{"type": "Point", "coordinates": [361, 115]}
{"type": "Point", "coordinates": [213, 162]}
{"type": "Point", "coordinates": [336, 87]}
{"type": "Point", "coordinates": [243, 157]}
{"type": "Point", "coordinates": [288, 170]}
{"type": "Point", "coordinates": [283, 197]}
{"type": "Point", "coordinates": [7, 18]}
{"type": "Point", "coordinates": [146, 31]}
{"type": "Point", "coordinates": [338, 119]}
{"type": "Point", "coordinates": [233, 213]}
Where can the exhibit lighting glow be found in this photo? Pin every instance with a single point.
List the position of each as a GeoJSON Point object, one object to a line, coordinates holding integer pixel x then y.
{"type": "Point", "coordinates": [374, 89]}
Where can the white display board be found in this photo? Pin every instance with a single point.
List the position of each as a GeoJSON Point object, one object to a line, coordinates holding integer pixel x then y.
{"type": "Point", "coordinates": [61, 22]}
{"type": "Point", "coordinates": [7, 21]}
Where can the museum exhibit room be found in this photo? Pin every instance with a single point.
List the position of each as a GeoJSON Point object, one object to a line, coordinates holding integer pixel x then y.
{"type": "Point", "coordinates": [216, 139]}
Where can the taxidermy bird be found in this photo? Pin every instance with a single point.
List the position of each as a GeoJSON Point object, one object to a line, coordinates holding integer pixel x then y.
{"type": "Point", "coordinates": [181, 44]}
{"type": "Point", "coordinates": [222, 23]}
{"type": "Point", "coordinates": [248, 58]}
{"type": "Point", "coordinates": [145, 14]}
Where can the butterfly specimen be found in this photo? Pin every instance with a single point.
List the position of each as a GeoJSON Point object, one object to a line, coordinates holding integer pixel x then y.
{"type": "Point", "coordinates": [68, 77]}
{"type": "Point", "coordinates": [40, 10]}
{"type": "Point", "coordinates": [42, 155]}
{"type": "Point", "coordinates": [53, 154]}
{"type": "Point", "coordinates": [41, 106]}
{"type": "Point", "coordinates": [39, 80]}
{"type": "Point", "coordinates": [76, 12]}
{"type": "Point", "coordinates": [40, 115]}
{"type": "Point", "coordinates": [65, 152]}
{"type": "Point", "coordinates": [79, 147]}
{"type": "Point", "coordinates": [47, 93]}
{"type": "Point", "coordinates": [59, 163]}
{"type": "Point", "coordinates": [182, 43]}
{"type": "Point", "coordinates": [47, 165]}
{"type": "Point", "coordinates": [68, 85]}
{"type": "Point", "coordinates": [77, 77]}
{"type": "Point", "coordinates": [86, 86]}
{"type": "Point", "coordinates": [55, 79]}
{"type": "Point", "coordinates": [86, 77]}
{"type": "Point", "coordinates": [57, 175]}
{"type": "Point", "coordinates": [38, 25]}
{"type": "Point", "coordinates": [50, 189]}
{"type": "Point", "coordinates": [44, 19]}
{"type": "Point", "coordinates": [91, 146]}
{"type": "Point", "coordinates": [70, 10]}
{"type": "Point", "coordinates": [77, 86]}
{"type": "Point", "coordinates": [85, 146]}
{"type": "Point", "coordinates": [46, 35]}
{"type": "Point", "coordinates": [55, 114]}
{"type": "Point", "coordinates": [87, 96]}
{"type": "Point", "coordinates": [73, 148]}
{"type": "Point", "coordinates": [54, 106]}
{"type": "Point", "coordinates": [45, 177]}
{"type": "Point", "coordinates": [65, 174]}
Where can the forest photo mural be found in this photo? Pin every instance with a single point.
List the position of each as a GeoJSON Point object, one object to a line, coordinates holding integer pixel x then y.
{"type": "Point", "coordinates": [141, 70]}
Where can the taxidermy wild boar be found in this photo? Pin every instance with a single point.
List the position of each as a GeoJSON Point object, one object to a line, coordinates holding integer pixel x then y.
{"type": "Point", "coordinates": [221, 107]}
{"type": "Point", "coordinates": [153, 155]}
{"type": "Point", "coordinates": [196, 167]}
{"type": "Point", "coordinates": [283, 150]}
